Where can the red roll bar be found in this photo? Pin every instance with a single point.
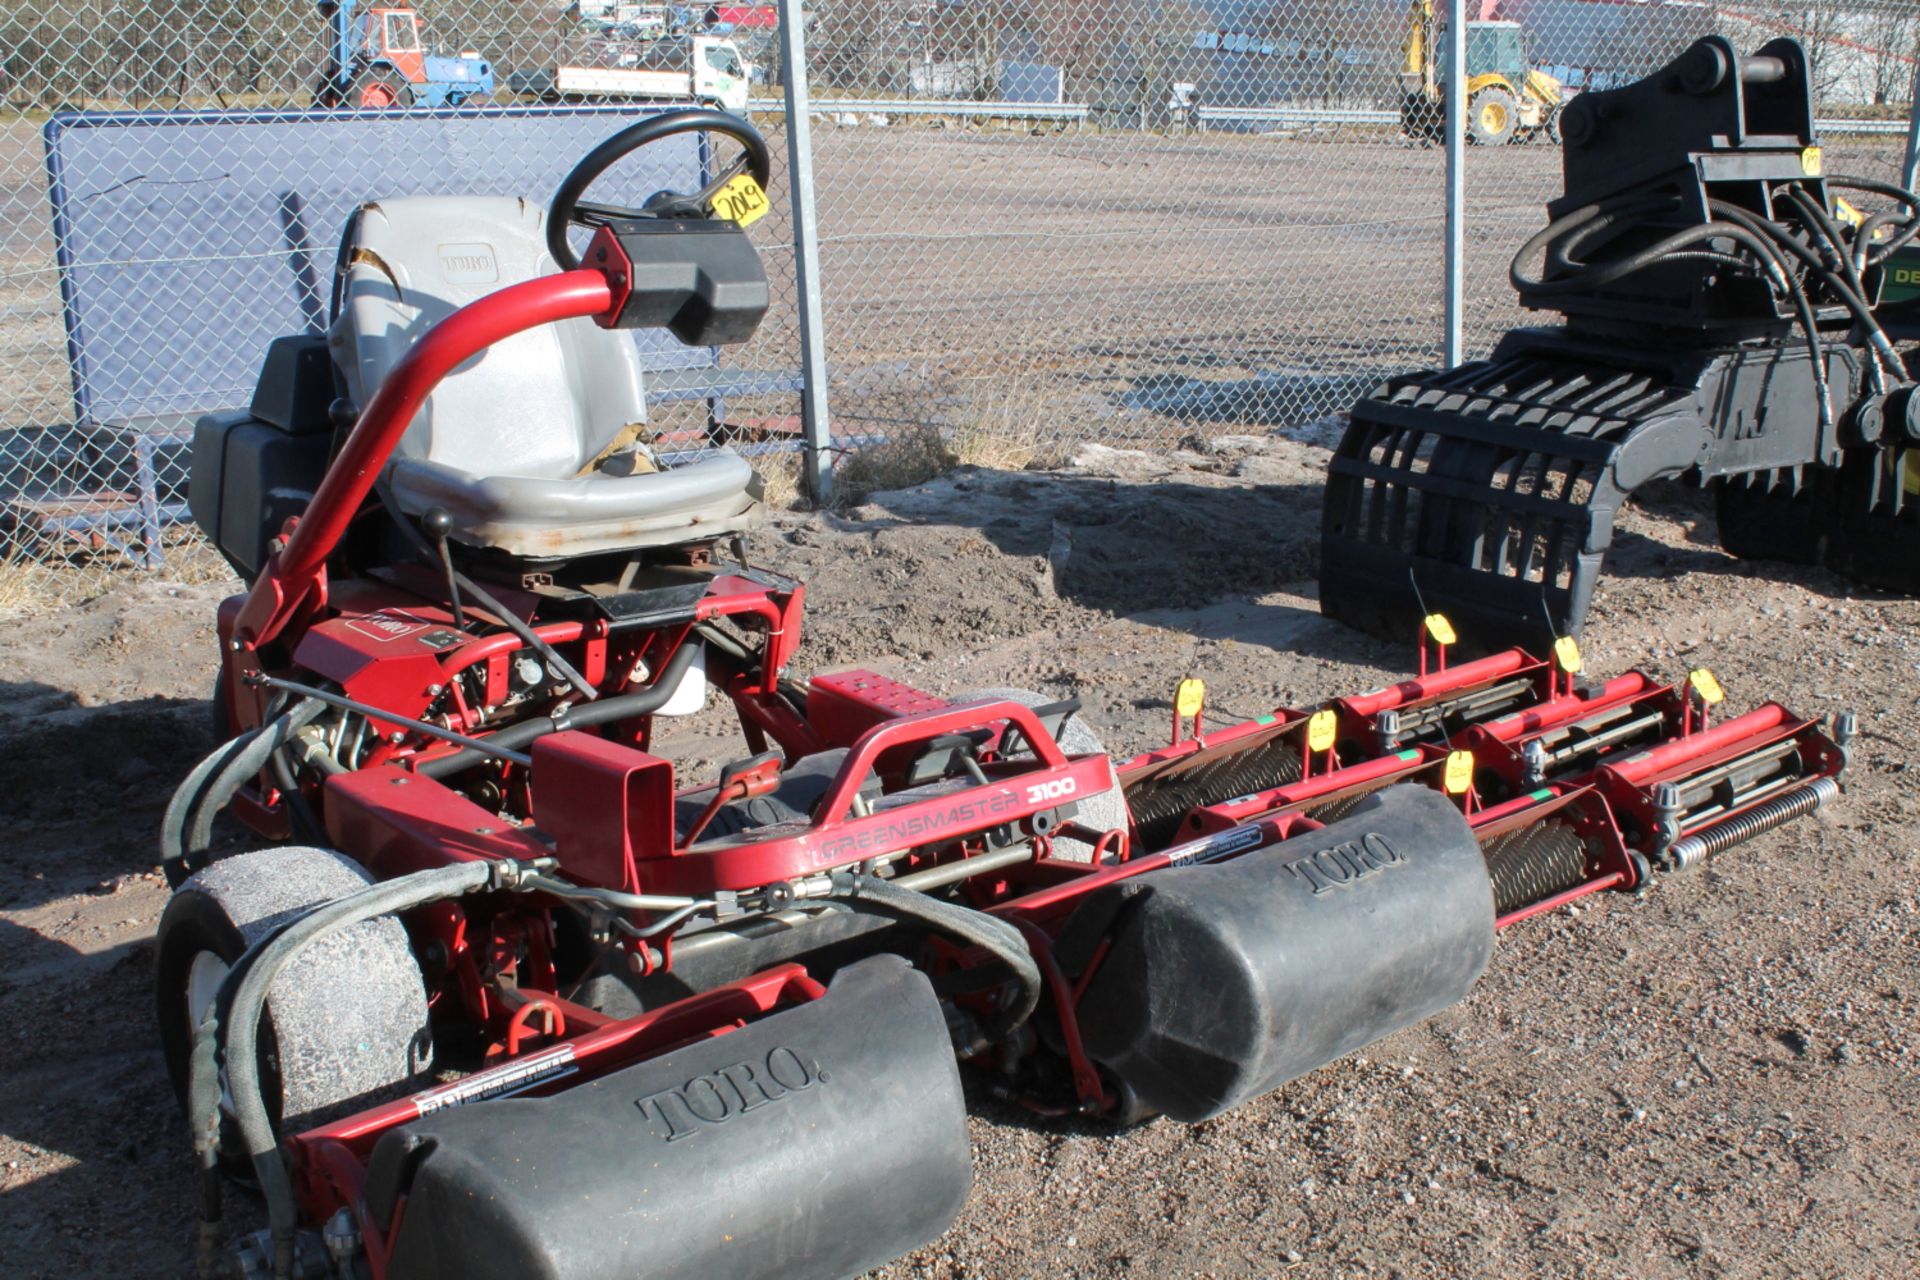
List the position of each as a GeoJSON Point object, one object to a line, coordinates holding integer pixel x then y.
{"type": "Point", "coordinates": [295, 577]}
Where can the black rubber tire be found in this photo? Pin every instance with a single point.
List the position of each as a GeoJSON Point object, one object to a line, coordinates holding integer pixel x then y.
{"type": "Point", "coordinates": [346, 1019]}
{"type": "Point", "coordinates": [1102, 812]}
{"type": "Point", "coordinates": [1552, 126]}
{"type": "Point", "coordinates": [217, 716]}
{"type": "Point", "coordinates": [377, 85]}
{"type": "Point", "coordinates": [1422, 120]}
{"type": "Point", "coordinates": [1758, 522]}
{"type": "Point", "coordinates": [1484, 105]}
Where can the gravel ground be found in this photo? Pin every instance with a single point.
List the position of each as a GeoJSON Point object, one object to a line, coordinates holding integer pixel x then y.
{"type": "Point", "coordinates": [1715, 1079]}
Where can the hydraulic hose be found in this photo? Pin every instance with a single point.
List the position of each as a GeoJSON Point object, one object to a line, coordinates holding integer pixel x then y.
{"type": "Point", "coordinates": [214, 782]}
{"type": "Point", "coordinates": [1893, 191]}
{"type": "Point", "coordinates": [248, 984]}
{"type": "Point", "coordinates": [605, 711]}
{"type": "Point", "coordinates": [1562, 238]}
{"type": "Point", "coordinates": [999, 939]}
{"type": "Point", "coordinates": [1817, 218]}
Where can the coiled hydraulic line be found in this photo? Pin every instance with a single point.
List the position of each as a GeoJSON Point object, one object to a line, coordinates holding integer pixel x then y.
{"type": "Point", "coordinates": [1534, 863]}
{"type": "Point", "coordinates": [1690, 852]}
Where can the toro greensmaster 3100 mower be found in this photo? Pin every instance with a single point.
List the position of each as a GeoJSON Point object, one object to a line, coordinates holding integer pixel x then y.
{"type": "Point", "coordinates": [1722, 320]}
{"type": "Point", "coordinates": [518, 999]}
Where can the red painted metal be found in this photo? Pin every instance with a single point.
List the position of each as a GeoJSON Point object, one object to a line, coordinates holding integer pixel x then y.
{"type": "Point", "coordinates": [295, 578]}
{"type": "Point", "coordinates": [1567, 708]}
{"type": "Point", "coordinates": [1306, 793]}
{"type": "Point", "coordinates": [836, 839]}
{"type": "Point", "coordinates": [845, 704]}
{"type": "Point", "coordinates": [1735, 735]}
{"type": "Point", "coordinates": [1438, 684]}
{"type": "Point", "coordinates": [605, 807]}
{"type": "Point", "coordinates": [395, 822]}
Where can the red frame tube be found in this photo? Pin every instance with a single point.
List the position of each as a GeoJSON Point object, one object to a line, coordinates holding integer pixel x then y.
{"type": "Point", "coordinates": [1446, 680]}
{"type": "Point", "coordinates": [1648, 765]}
{"type": "Point", "coordinates": [295, 578]}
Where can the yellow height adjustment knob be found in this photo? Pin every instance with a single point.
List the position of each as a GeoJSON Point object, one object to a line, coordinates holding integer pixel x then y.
{"type": "Point", "coordinates": [1438, 629]}
{"type": "Point", "coordinates": [1457, 778]}
{"type": "Point", "coordinates": [1189, 697]}
{"type": "Point", "coordinates": [1320, 728]}
{"type": "Point", "coordinates": [1566, 655]}
{"type": "Point", "coordinates": [1706, 686]}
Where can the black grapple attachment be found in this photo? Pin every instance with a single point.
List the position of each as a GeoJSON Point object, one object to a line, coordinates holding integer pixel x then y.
{"type": "Point", "coordinates": [1721, 321]}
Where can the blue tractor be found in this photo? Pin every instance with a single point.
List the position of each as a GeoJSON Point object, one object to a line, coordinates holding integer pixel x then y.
{"type": "Point", "coordinates": [377, 60]}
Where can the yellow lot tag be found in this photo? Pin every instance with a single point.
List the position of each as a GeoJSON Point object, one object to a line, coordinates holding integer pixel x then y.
{"type": "Point", "coordinates": [1706, 686]}
{"type": "Point", "coordinates": [1459, 773]}
{"type": "Point", "coordinates": [1320, 727]}
{"type": "Point", "coordinates": [741, 201]}
{"type": "Point", "coordinates": [1810, 162]}
{"type": "Point", "coordinates": [1566, 655]}
{"type": "Point", "coordinates": [1190, 697]}
{"type": "Point", "coordinates": [1439, 630]}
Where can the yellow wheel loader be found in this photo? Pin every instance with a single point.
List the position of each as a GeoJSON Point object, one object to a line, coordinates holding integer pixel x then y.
{"type": "Point", "coordinates": [1508, 100]}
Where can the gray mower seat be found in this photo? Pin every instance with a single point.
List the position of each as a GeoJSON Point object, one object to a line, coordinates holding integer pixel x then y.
{"type": "Point", "coordinates": [535, 446]}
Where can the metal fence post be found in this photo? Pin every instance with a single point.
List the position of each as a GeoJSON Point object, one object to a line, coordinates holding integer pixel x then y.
{"type": "Point", "coordinates": [1456, 126]}
{"type": "Point", "coordinates": [1911, 163]}
{"type": "Point", "coordinates": [814, 418]}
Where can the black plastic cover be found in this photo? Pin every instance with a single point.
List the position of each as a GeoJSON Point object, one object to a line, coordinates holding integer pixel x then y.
{"type": "Point", "coordinates": [699, 278]}
{"type": "Point", "coordinates": [296, 386]}
{"type": "Point", "coordinates": [818, 1142]}
{"type": "Point", "coordinates": [1225, 981]}
{"type": "Point", "coordinates": [247, 478]}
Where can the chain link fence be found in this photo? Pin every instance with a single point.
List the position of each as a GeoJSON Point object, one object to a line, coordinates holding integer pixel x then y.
{"type": "Point", "coordinates": [1040, 223]}
{"type": "Point", "coordinates": [1130, 221]}
{"type": "Point", "coordinates": [175, 176]}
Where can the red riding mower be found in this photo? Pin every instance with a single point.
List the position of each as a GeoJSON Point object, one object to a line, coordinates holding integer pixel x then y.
{"type": "Point", "coordinates": [552, 1010]}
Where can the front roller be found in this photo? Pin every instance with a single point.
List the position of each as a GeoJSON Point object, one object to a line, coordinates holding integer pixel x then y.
{"type": "Point", "coordinates": [818, 1142]}
{"type": "Point", "coordinates": [1224, 982]}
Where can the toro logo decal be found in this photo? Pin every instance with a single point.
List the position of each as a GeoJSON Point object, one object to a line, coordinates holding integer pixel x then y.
{"type": "Point", "coordinates": [708, 1101]}
{"type": "Point", "coordinates": [468, 264]}
{"type": "Point", "coordinates": [388, 626]}
{"type": "Point", "coordinates": [1344, 864]}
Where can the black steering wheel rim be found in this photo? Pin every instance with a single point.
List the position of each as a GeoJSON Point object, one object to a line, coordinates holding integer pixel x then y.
{"type": "Point", "coordinates": [566, 200]}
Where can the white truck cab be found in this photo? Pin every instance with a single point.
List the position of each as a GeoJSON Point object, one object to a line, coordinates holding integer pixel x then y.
{"type": "Point", "coordinates": [705, 68]}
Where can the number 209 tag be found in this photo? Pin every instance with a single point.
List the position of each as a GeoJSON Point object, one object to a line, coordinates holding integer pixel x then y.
{"type": "Point", "coordinates": [741, 201]}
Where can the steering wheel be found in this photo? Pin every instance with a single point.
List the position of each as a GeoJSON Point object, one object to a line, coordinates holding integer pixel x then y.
{"type": "Point", "coordinates": [568, 209]}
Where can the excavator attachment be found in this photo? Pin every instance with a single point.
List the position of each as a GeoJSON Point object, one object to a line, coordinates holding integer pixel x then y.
{"type": "Point", "coordinates": [1721, 323]}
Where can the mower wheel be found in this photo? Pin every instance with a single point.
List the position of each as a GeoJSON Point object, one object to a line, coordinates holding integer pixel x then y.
{"type": "Point", "coordinates": [1103, 812]}
{"type": "Point", "coordinates": [379, 90]}
{"type": "Point", "coordinates": [346, 1018]}
{"type": "Point", "coordinates": [1493, 117]}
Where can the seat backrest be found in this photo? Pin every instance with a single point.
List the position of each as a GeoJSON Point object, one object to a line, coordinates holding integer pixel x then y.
{"type": "Point", "coordinates": [542, 403]}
